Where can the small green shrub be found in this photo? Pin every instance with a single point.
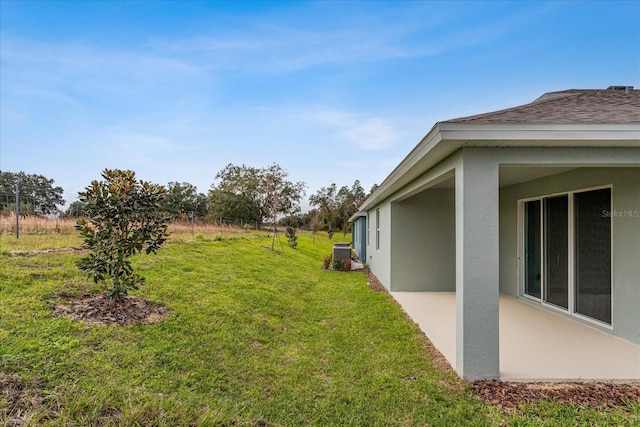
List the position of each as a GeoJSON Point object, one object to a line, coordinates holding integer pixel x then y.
{"type": "Point", "coordinates": [292, 238]}
{"type": "Point", "coordinates": [337, 265]}
{"type": "Point", "coordinates": [123, 218]}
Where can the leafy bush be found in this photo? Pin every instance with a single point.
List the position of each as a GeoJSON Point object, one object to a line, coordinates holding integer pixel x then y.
{"type": "Point", "coordinates": [326, 262]}
{"type": "Point", "coordinates": [123, 218]}
{"type": "Point", "coordinates": [292, 238]}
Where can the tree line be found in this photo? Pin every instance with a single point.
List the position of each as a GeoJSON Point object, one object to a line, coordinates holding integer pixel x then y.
{"type": "Point", "coordinates": [254, 195]}
{"type": "Point", "coordinates": [37, 194]}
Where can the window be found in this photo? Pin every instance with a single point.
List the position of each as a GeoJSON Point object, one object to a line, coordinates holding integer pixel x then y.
{"type": "Point", "coordinates": [556, 250]}
{"type": "Point", "coordinates": [567, 252]}
{"type": "Point", "coordinates": [377, 229]}
{"type": "Point", "coordinates": [368, 229]}
{"type": "Point", "coordinates": [593, 254]}
{"type": "Point", "coordinates": [533, 249]}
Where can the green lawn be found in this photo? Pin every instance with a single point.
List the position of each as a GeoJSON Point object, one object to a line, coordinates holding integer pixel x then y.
{"type": "Point", "coordinates": [253, 338]}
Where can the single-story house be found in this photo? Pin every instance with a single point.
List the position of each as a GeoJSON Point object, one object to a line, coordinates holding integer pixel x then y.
{"type": "Point", "coordinates": [539, 203]}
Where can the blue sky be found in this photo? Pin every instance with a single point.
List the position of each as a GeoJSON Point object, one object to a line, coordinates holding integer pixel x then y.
{"type": "Point", "coordinates": [332, 91]}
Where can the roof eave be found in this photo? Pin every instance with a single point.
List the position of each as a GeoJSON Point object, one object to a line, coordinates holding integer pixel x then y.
{"type": "Point", "coordinates": [357, 215]}
{"type": "Point", "coordinates": [449, 137]}
{"type": "Point", "coordinates": [425, 145]}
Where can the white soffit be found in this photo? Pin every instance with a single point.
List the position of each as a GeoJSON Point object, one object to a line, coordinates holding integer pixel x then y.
{"type": "Point", "coordinates": [445, 139]}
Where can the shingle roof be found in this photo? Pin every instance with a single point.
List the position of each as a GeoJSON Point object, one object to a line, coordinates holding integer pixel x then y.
{"type": "Point", "coordinates": [592, 106]}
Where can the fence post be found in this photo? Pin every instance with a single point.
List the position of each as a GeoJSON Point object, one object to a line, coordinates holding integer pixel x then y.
{"type": "Point", "coordinates": [17, 211]}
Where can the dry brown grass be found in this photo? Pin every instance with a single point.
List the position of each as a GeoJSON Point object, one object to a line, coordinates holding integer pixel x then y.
{"type": "Point", "coordinates": [37, 225]}
{"type": "Point", "coordinates": [201, 227]}
{"type": "Point", "coordinates": [34, 225]}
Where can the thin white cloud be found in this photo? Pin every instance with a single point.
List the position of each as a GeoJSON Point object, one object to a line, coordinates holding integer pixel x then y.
{"type": "Point", "coordinates": [283, 47]}
{"type": "Point", "coordinates": [49, 67]}
{"type": "Point", "coordinates": [80, 58]}
{"type": "Point", "coordinates": [131, 149]}
{"type": "Point", "coordinates": [287, 49]}
{"type": "Point", "coordinates": [366, 133]}
{"type": "Point", "coordinates": [371, 134]}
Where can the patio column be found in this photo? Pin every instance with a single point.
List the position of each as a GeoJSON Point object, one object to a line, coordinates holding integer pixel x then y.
{"type": "Point", "coordinates": [477, 264]}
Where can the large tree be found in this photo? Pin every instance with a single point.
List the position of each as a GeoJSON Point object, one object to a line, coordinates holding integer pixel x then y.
{"type": "Point", "coordinates": [278, 195]}
{"type": "Point", "coordinates": [37, 193]}
{"type": "Point", "coordinates": [335, 206]}
{"type": "Point", "coordinates": [76, 209]}
{"type": "Point", "coordinates": [326, 200]}
{"type": "Point", "coordinates": [349, 200]}
{"type": "Point", "coordinates": [182, 199]}
{"type": "Point", "coordinates": [254, 194]}
{"type": "Point", "coordinates": [124, 217]}
{"type": "Point", "coordinates": [236, 194]}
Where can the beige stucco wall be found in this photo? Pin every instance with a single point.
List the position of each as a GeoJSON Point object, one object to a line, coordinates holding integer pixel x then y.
{"type": "Point", "coordinates": [380, 259]}
{"type": "Point", "coordinates": [625, 184]}
{"type": "Point", "coordinates": [423, 250]}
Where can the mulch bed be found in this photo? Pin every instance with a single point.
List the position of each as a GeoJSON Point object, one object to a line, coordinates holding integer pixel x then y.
{"type": "Point", "coordinates": [95, 309]}
{"type": "Point", "coordinates": [373, 281]}
{"type": "Point", "coordinates": [511, 395]}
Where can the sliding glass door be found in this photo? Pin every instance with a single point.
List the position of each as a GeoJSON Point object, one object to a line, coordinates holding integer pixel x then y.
{"type": "Point", "coordinates": [533, 249]}
{"type": "Point", "coordinates": [567, 252]}
{"type": "Point", "coordinates": [593, 253]}
{"type": "Point", "coordinates": [556, 251]}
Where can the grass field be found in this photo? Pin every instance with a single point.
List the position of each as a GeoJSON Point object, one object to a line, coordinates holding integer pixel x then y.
{"type": "Point", "coordinates": [253, 338]}
{"type": "Point", "coordinates": [41, 233]}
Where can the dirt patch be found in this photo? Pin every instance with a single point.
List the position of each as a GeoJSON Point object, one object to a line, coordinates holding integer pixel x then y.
{"type": "Point", "coordinates": [270, 249]}
{"type": "Point", "coordinates": [511, 395]}
{"type": "Point", "coordinates": [95, 309]}
{"type": "Point", "coordinates": [21, 401]}
{"type": "Point", "coordinates": [50, 251]}
{"type": "Point", "coordinates": [251, 423]}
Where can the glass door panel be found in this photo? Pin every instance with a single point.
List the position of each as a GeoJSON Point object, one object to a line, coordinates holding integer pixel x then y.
{"type": "Point", "coordinates": [532, 249]}
{"type": "Point", "coordinates": [593, 254]}
{"type": "Point", "coordinates": [556, 245]}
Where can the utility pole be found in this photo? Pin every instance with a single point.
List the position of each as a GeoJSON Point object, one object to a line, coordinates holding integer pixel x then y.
{"type": "Point", "coordinates": [17, 210]}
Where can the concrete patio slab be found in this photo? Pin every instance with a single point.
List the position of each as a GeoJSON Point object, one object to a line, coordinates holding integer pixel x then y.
{"type": "Point", "coordinates": [535, 344]}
